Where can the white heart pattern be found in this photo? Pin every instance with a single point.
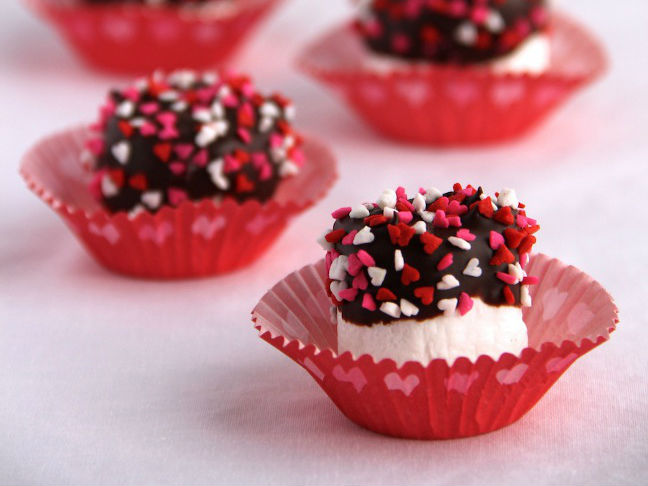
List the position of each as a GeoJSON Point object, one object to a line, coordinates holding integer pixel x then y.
{"type": "Point", "coordinates": [507, 93]}
{"type": "Point", "coordinates": [259, 223]}
{"type": "Point", "coordinates": [313, 368]}
{"type": "Point", "coordinates": [206, 228]}
{"type": "Point", "coordinates": [552, 300]}
{"type": "Point", "coordinates": [107, 231]}
{"type": "Point", "coordinates": [560, 364]}
{"type": "Point", "coordinates": [512, 376]}
{"type": "Point", "coordinates": [415, 92]}
{"type": "Point", "coordinates": [355, 376]}
{"type": "Point", "coordinates": [460, 382]}
{"type": "Point", "coordinates": [395, 382]}
{"type": "Point", "coordinates": [156, 235]}
{"type": "Point", "coordinates": [579, 317]}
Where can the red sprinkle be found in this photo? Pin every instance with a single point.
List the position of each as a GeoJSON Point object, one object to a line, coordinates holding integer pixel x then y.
{"type": "Point", "coordinates": [376, 220]}
{"type": "Point", "coordinates": [138, 181]}
{"type": "Point", "coordinates": [513, 237]}
{"type": "Point", "coordinates": [430, 242]}
{"type": "Point", "coordinates": [530, 280]}
{"type": "Point", "coordinates": [502, 255]}
{"type": "Point", "coordinates": [409, 275]}
{"type": "Point", "coordinates": [527, 244]}
{"type": "Point", "coordinates": [426, 294]}
{"type": "Point", "coordinates": [445, 262]}
{"type": "Point", "coordinates": [400, 234]}
{"type": "Point", "coordinates": [485, 207]}
{"type": "Point", "coordinates": [163, 151]}
{"type": "Point", "coordinates": [348, 294]}
{"type": "Point", "coordinates": [385, 294]}
{"type": "Point", "coordinates": [335, 235]}
{"type": "Point", "coordinates": [504, 215]}
{"type": "Point", "coordinates": [441, 203]}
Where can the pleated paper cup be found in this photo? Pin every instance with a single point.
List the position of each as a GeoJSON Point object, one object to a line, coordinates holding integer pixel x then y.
{"type": "Point", "coordinates": [195, 239]}
{"type": "Point", "coordinates": [571, 315]}
{"type": "Point", "coordinates": [443, 105]}
{"type": "Point", "coordinates": [137, 39]}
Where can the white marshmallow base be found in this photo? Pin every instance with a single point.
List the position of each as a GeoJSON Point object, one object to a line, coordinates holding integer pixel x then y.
{"type": "Point", "coordinates": [485, 330]}
{"type": "Point", "coordinates": [532, 57]}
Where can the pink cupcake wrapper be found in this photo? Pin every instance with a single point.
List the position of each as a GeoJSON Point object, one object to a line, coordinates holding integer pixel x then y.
{"type": "Point", "coordinates": [137, 39]}
{"type": "Point", "coordinates": [571, 315]}
{"type": "Point", "coordinates": [194, 239]}
{"type": "Point", "coordinates": [441, 105]}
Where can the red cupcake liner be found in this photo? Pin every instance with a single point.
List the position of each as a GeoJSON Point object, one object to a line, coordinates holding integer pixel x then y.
{"type": "Point", "coordinates": [571, 315]}
{"type": "Point", "coordinates": [137, 39]}
{"type": "Point", "coordinates": [442, 105]}
{"type": "Point", "coordinates": [195, 239]}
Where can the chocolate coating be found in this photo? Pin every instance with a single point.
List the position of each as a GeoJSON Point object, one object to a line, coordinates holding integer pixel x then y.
{"type": "Point", "coordinates": [450, 31]}
{"type": "Point", "coordinates": [487, 286]}
{"type": "Point", "coordinates": [165, 123]}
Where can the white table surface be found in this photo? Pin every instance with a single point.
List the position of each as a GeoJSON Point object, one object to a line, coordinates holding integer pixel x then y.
{"type": "Point", "coordinates": [108, 380]}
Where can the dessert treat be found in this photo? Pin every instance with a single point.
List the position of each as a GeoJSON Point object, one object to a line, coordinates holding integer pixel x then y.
{"type": "Point", "coordinates": [509, 35]}
{"type": "Point", "coordinates": [167, 139]}
{"type": "Point", "coordinates": [455, 72]}
{"type": "Point", "coordinates": [184, 175]}
{"type": "Point", "coordinates": [434, 276]}
{"type": "Point", "coordinates": [139, 36]}
{"type": "Point", "coordinates": [432, 334]}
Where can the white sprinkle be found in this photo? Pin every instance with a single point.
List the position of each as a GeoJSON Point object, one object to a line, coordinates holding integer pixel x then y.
{"type": "Point", "coordinates": [363, 236]}
{"type": "Point", "coordinates": [377, 275]}
{"type": "Point", "coordinates": [525, 297]}
{"type": "Point", "coordinates": [125, 109]}
{"type": "Point", "coordinates": [152, 199]}
{"type": "Point", "coordinates": [473, 269]}
{"type": "Point", "coordinates": [419, 202]}
{"type": "Point", "coordinates": [391, 309]}
{"type": "Point", "coordinates": [448, 306]}
{"type": "Point", "coordinates": [432, 194]}
{"type": "Point", "coordinates": [269, 109]}
{"type": "Point", "coordinates": [420, 227]}
{"type": "Point", "coordinates": [182, 78]}
{"type": "Point", "coordinates": [516, 271]}
{"type": "Point", "coordinates": [427, 216]}
{"type": "Point", "coordinates": [108, 187]}
{"type": "Point", "coordinates": [215, 170]}
{"type": "Point", "coordinates": [494, 21]}
{"type": "Point", "coordinates": [135, 210]}
{"type": "Point", "coordinates": [359, 212]}
{"type": "Point", "coordinates": [389, 213]}
{"type": "Point", "coordinates": [336, 286]}
{"type": "Point", "coordinates": [507, 197]}
{"type": "Point", "coordinates": [322, 240]}
{"type": "Point", "coordinates": [265, 124]}
{"type": "Point", "coordinates": [179, 106]}
{"type": "Point", "coordinates": [338, 269]}
{"type": "Point", "coordinates": [407, 308]}
{"type": "Point", "coordinates": [466, 33]}
{"type": "Point", "coordinates": [206, 135]}
{"type": "Point", "coordinates": [287, 169]}
{"type": "Point", "coordinates": [137, 122]}
{"type": "Point", "coordinates": [448, 281]}
{"type": "Point", "coordinates": [121, 151]}
{"type": "Point", "coordinates": [399, 262]}
{"type": "Point", "coordinates": [218, 110]}
{"type": "Point", "coordinates": [459, 242]}
{"type": "Point", "coordinates": [202, 115]}
{"type": "Point", "coordinates": [168, 96]}
{"type": "Point", "coordinates": [290, 112]}
{"type": "Point", "coordinates": [210, 77]}
{"type": "Point", "coordinates": [388, 199]}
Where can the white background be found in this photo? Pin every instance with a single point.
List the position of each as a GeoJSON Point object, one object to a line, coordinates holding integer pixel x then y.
{"type": "Point", "coordinates": [108, 380]}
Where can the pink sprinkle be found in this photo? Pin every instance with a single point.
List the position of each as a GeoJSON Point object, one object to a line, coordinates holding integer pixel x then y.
{"type": "Point", "coordinates": [147, 129]}
{"type": "Point", "coordinates": [400, 43]}
{"type": "Point", "coordinates": [248, 89]}
{"type": "Point", "coordinates": [366, 259]}
{"type": "Point", "coordinates": [348, 294]}
{"type": "Point", "coordinates": [368, 302]}
{"type": "Point", "coordinates": [465, 303]}
{"type": "Point", "coordinates": [348, 239]}
{"type": "Point", "coordinates": [230, 101]}
{"type": "Point", "coordinates": [168, 133]}
{"type": "Point", "coordinates": [297, 156]}
{"type": "Point", "coordinates": [360, 281]}
{"type": "Point", "coordinates": [454, 221]}
{"type": "Point", "coordinates": [457, 8]}
{"type": "Point", "coordinates": [524, 259]}
{"type": "Point", "coordinates": [176, 196]}
{"type": "Point", "coordinates": [167, 118]}
{"type": "Point", "coordinates": [521, 221]}
{"type": "Point", "coordinates": [422, 191]}
{"type": "Point", "coordinates": [131, 93]}
{"type": "Point", "coordinates": [479, 14]}
{"type": "Point", "coordinates": [506, 278]}
{"type": "Point", "coordinates": [276, 141]}
{"type": "Point", "coordinates": [440, 220]}
{"type": "Point", "coordinates": [244, 135]}
{"type": "Point", "coordinates": [465, 234]}
{"type": "Point", "coordinates": [405, 217]}
{"type": "Point", "coordinates": [456, 208]}
{"type": "Point", "coordinates": [469, 191]}
{"type": "Point", "coordinates": [400, 193]}
{"type": "Point", "coordinates": [183, 150]}
{"type": "Point", "coordinates": [149, 108]}
{"type": "Point", "coordinates": [445, 262]}
{"type": "Point", "coordinates": [373, 28]}
{"type": "Point", "coordinates": [531, 221]}
{"type": "Point", "coordinates": [495, 240]}
{"type": "Point", "coordinates": [231, 164]}
{"type": "Point", "coordinates": [200, 159]}
{"type": "Point", "coordinates": [95, 145]}
{"type": "Point", "coordinates": [530, 280]}
{"type": "Point", "coordinates": [341, 213]}
{"type": "Point", "coordinates": [354, 265]}
{"type": "Point", "coordinates": [177, 168]}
